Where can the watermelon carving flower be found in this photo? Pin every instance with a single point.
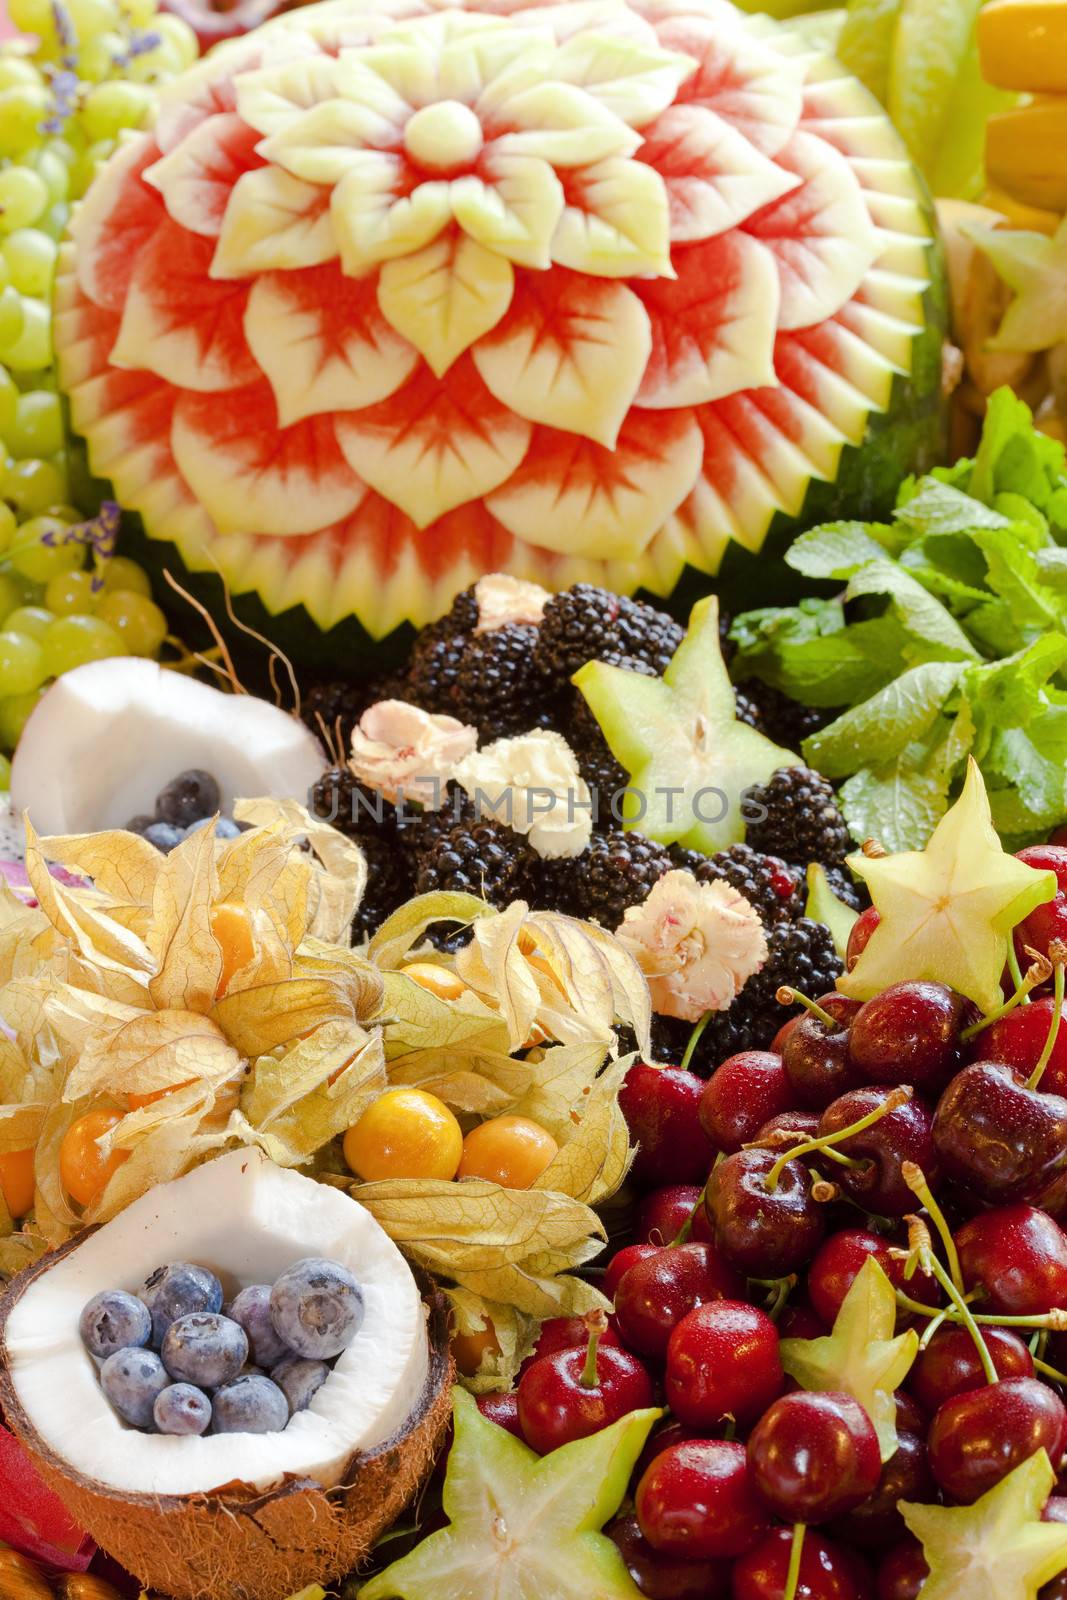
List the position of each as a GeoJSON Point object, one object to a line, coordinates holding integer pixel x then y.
{"type": "Point", "coordinates": [394, 295]}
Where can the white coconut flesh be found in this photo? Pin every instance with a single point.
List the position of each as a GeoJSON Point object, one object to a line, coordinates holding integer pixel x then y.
{"type": "Point", "coordinates": [108, 736]}
{"type": "Point", "coordinates": [247, 1220]}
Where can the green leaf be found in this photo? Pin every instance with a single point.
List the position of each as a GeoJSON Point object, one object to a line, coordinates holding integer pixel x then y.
{"type": "Point", "coordinates": [1012, 573]}
{"type": "Point", "coordinates": [895, 804]}
{"type": "Point", "coordinates": [807, 651]}
{"type": "Point", "coordinates": [924, 617]}
{"type": "Point", "coordinates": [1007, 694]}
{"type": "Point", "coordinates": [838, 549]}
{"type": "Point", "coordinates": [882, 726]}
{"type": "Point", "coordinates": [937, 508]}
{"type": "Point", "coordinates": [1052, 567]}
{"type": "Point", "coordinates": [1013, 456]}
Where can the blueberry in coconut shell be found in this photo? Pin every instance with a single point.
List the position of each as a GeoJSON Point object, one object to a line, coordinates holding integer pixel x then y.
{"type": "Point", "coordinates": [317, 1308]}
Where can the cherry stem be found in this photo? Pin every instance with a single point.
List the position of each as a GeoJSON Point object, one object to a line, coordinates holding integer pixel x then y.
{"type": "Point", "coordinates": [687, 1226]}
{"type": "Point", "coordinates": [932, 1327]}
{"type": "Point", "coordinates": [1013, 967]}
{"type": "Point", "coordinates": [1053, 1028]}
{"type": "Point", "coordinates": [1056, 1320]}
{"type": "Point", "coordinates": [967, 1317]}
{"type": "Point", "coordinates": [597, 1323]}
{"type": "Point", "coordinates": [694, 1040]}
{"type": "Point", "coordinates": [915, 1179]}
{"type": "Point", "coordinates": [786, 996]}
{"type": "Point", "coordinates": [1038, 972]}
{"type": "Point", "coordinates": [781, 1290]}
{"type": "Point", "coordinates": [827, 1140]}
{"type": "Point", "coordinates": [1049, 1372]}
{"type": "Point", "coordinates": [796, 1550]}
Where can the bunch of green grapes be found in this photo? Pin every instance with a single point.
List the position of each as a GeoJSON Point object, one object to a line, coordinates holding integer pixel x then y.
{"type": "Point", "coordinates": [90, 71]}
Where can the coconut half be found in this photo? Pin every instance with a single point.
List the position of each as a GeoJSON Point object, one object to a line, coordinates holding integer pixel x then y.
{"type": "Point", "coordinates": [108, 736]}
{"type": "Point", "coordinates": [251, 1515]}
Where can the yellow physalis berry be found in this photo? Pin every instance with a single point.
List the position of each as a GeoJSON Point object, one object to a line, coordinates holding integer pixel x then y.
{"type": "Point", "coordinates": [468, 1349]}
{"type": "Point", "coordinates": [17, 1181]}
{"type": "Point", "coordinates": [438, 980]}
{"type": "Point", "coordinates": [84, 1170]}
{"type": "Point", "coordinates": [232, 926]}
{"type": "Point", "coordinates": [512, 1151]}
{"type": "Point", "coordinates": [407, 1133]}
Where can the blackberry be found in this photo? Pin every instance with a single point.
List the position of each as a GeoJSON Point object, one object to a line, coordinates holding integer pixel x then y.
{"type": "Point", "coordinates": [331, 710]}
{"type": "Point", "coordinates": [351, 806]}
{"type": "Point", "coordinates": [802, 821]}
{"type": "Point", "coordinates": [589, 624]}
{"type": "Point", "coordinates": [847, 888]}
{"type": "Point", "coordinates": [615, 871]}
{"type": "Point", "coordinates": [390, 880]}
{"type": "Point", "coordinates": [766, 882]}
{"type": "Point", "coordinates": [433, 670]}
{"type": "Point", "coordinates": [495, 689]}
{"type": "Point", "coordinates": [748, 711]}
{"type": "Point", "coordinates": [480, 858]}
{"type": "Point", "coordinates": [785, 720]}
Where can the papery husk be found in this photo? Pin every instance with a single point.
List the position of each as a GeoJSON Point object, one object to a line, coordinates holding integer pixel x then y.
{"type": "Point", "coordinates": [240, 1543]}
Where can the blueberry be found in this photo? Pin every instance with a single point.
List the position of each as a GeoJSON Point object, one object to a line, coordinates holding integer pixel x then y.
{"type": "Point", "coordinates": [174, 1291]}
{"type": "Point", "coordinates": [251, 1308]}
{"type": "Point", "coordinates": [317, 1308]}
{"type": "Point", "coordinates": [164, 836]}
{"type": "Point", "coordinates": [139, 823]}
{"type": "Point", "coordinates": [182, 1408]}
{"type": "Point", "coordinates": [249, 1405]}
{"type": "Point", "coordinates": [114, 1320]}
{"type": "Point", "coordinates": [204, 1348]}
{"type": "Point", "coordinates": [300, 1380]}
{"type": "Point", "coordinates": [187, 798]}
{"type": "Point", "coordinates": [132, 1379]}
{"type": "Point", "coordinates": [227, 828]}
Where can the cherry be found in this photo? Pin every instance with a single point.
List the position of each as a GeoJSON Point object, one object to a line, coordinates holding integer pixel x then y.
{"type": "Point", "coordinates": [1018, 1256]}
{"type": "Point", "coordinates": [565, 1333]}
{"type": "Point", "coordinates": [799, 1321]}
{"type": "Point", "coordinates": [663, 1213]}
{"type": "Point", "coordinates": [816, 1057]}
{"type": "Point", "coordinates": [838, 1262]}
{"type": "Point", "coordinates": [503, 1409]}
{"type": "Point", "coordinates": [860, 936]}
{"type": "Point", "coordinates": [764, 1232]}
{"type": "Point", "coordinates": [663, 1577]}
{"type": "Point", "coordinates": [911, 1418]}
{"type": "Point", "coordinates": [722, 1361]}
{"type": "Point", "coordinates": [746, 1090]}
{"type": "Point", "coordinates": [910, 1033]}
{"type": "Point", "coordinates": [620, 1264]}
{"type": "Point", "coordinates": [902, 1134]}
{"type": "Point", "coordinates": [1019, 1038]}
{"type": "Point", "coordinates": [778, 1042]}
{"type": "Point", "coordinates": [876, 1523]}
{"type": "Point", "coordinates": [662, 1438]}
{"type": "Point", "coordinates": [814, 1456]}
{"type": "Point", "coordinates": [979, 1437]}
{"type": "Point", "coordinates": [950, 1365]}
{"type": "Point", "coordinates": [827, 1570]}
{"type": "Point", "coordinates": [697, 1501]}
{"type": "Point", "coordinates": [1002, 1139]}
{"type": "Point", "coordinates": [1048, 921]}
{"type": "Point", "coordinates": [902, 1573]}
{"type": "Point", "coordinates": [575, 1393]}
{"type": "Point", "coordinates": [658, 1291]}
{"type": "Point", "coordinates": [801, 1124]}
{"type": "Point", "coordinates": [661, 1106]}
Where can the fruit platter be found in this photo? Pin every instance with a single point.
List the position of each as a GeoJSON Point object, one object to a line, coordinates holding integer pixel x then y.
{"type": "Point", "coordinates": [533, 800]}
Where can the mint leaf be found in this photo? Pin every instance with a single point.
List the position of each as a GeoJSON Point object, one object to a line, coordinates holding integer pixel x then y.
{"type": "Point", "coordinates": [1007, 694]}
{"type": "Point", "coordinates": [1041, 783]}
{"type": "Point", "coordinates": [1014, 457]}
{"type": "Point", "coordinates": [1012, 573]}
{"type": "Point", "coordinates": [1052, 567]}
{"type": "Point", "coordinates": [838, 549]}
{"type": "Point", "coordinates": [937, 508]}
{"type": "Point", "coordinates": [809, 652]}
{"type": "Point", "coordinates": [897, 804]}
{"type": "Point", "coordinates": [901, 713]}
{"type": "Point", "coordinates": [920, 613]}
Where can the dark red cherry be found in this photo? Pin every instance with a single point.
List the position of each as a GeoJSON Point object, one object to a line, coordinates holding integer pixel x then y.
{"type": "Point", "coordinates": [661, 1106]}
{"type": "Point", "coordinates": [566, 1333]}
{"type": "Point", "coordinates": [828, 1571]}
{"type": "Point", "coordinates": [778, 1042]}
{"type": "Point", "coordinates": [664, 1577]}
{"type": "Point", "coordinates": [620, 1264]}
{"type": "Point", "coordinates": [743, 1093]}
{"type": "Point", "coordinates": [979, 1437]}
{"type": "Point", "coordinates": [662, 1438]}
{"type": "Point", "coordinates": [663, 1213]}
{"type": "Point", "coordinates": [722, 1361]}
{"type": "Point", "coordinates": [950, 1365]}
{"type": "Point", "coordinates": [911, 1417]}
{"type": "Point", "coordinates": [503, 1409]}
{"type": "Point", "coordinates": [802, 1125]}
{"type": "Point", "coordinates": [575, 1393]}
{"type": "Point", "coordinates": [860, 936]}
{"type": "Point", "coordinates": [876, 1523]}
{"type": "Point", "coordinates": [902, 1134]}
{"type": "Point", "coordinates": [764, 1233]}
{"type": "Point", "coordinates": [1049, 921]}
{"type": "Point", "coordinates": [910, 1033]}
{"type": "Point", "coordinates": [657, 1292]}
{"type": "Point", "coordinates": [1018, 1256]}
{"type": "Point", "coordinates": [816, 1057]}
{"type": "Point", "coordinates": [1001, 1139]}
{"type": "Point", "coordinates": [902, 1573]}
{"type": "Point", "coordinates": [840, 1259]}
{"type": "Point", "coordinates": [799, 1321]}
{"type": "Point", "coordinates": [1019, 1038]}
{"type": "Point", "coordinates": [697, 1501]}
{"type": "Point", "coordinates": [814, 1456]}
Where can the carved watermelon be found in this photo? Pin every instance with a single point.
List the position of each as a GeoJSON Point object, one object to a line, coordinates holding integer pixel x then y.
{"type": "Point", "coordinates": [397, 294]}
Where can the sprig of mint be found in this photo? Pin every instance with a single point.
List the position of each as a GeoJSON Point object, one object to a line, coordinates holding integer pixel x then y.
{"type": "Point", "coordinates": [948, 638]}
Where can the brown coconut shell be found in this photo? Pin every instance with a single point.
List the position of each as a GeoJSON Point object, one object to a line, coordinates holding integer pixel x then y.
{"type": "Point", "coordinates": [242, 1543]}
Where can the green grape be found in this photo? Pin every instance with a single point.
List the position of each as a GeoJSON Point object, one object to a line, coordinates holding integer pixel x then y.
{"type": "Point", "coordinates": [91, 17]}
{"type": "Point", "coordinates": [69, 594]}
{"type": "Point", "coordinates": [5, 774]}
{"type": "Point", "coordinates": [33, 349]}
{"type": "Point", "coordinates": [54, 222]}
{"type": "Point", "coordinates": [31, 16]}
{"type": "Point", "coordinates": [100, 56]}
{"type": "Point", "coordinates": [23, 194]}
{"type": "Point", "coordinates": [32, 486]}
{"type": "Point", "coordinates": [140, 623]}
{"type": "Point", "coordinates": [38, 429]}
{"type": "Point", "coordinates": [16, 70]}
{"type": "Point", "coordinates": [38, 552]}
{"type": "Point", "coordinates": [122, 573]}
{"type": "Point", "coordinates": [30, 620]}
{"type": "Point", "coordinates": [9, 399]}
{"type": "Point", "coordinates": [55, 172]}
{"type": "Point", "coordinates": [111, 107]}
{"type": "Point", "coordinates": [14, 715]}
{"type": "Point", "coordinates": [138, 13]}
{"type": "Point", "coordinates": [12, 317]}
{"type": "Point", "coordinates": [30, 258]}
{"type": "Point", "coordinates": [5, 276]}
{"type": "Point", "coordinates": [21, 663]}
{"type": "Point", "coordinates": [22, 111]}
{"type": "Point", "coordinates": [89, 163]}
{"type": "Point", "coordinates": [10, 595]}
{"type": "Point", "coordinates": [72, 641]}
